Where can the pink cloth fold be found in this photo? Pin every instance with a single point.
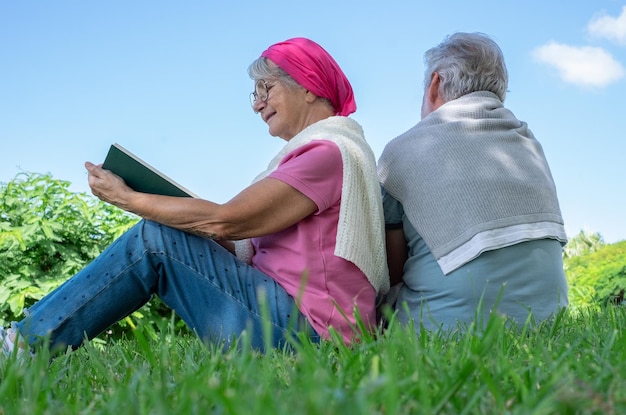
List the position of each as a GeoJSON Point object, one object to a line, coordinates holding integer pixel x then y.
{"type": "Point", "coordinates": [313, 68]}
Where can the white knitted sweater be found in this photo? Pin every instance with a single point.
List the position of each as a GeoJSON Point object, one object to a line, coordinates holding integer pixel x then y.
{"type": "Point", "coordinates": [360, 230]}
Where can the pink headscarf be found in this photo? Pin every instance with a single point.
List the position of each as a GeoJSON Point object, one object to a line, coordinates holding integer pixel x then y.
{"type": "Point", "coordinates": [313, 68]}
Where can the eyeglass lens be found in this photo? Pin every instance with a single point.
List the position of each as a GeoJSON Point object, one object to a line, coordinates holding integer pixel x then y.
{"type": "Point", "coordinates": [260, 92]}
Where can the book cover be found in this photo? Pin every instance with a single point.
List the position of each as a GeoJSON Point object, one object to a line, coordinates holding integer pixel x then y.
{"type": "Point", "coordinates": [141, 176]}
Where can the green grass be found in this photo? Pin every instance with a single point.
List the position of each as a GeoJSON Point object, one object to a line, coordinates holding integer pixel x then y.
{"type": "Point", "coordinates": [575, 364]}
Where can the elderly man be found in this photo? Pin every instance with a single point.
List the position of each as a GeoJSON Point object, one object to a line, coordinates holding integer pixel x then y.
{"type": "Point", "coordinates": [471, 210]}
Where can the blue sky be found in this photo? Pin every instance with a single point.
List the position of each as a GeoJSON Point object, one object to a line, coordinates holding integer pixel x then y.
{"type": "Point", "coordinates": [168, 81]}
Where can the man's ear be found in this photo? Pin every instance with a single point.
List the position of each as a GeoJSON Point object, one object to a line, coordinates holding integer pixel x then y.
{"type": "Point", "coordinates": [432, 94]}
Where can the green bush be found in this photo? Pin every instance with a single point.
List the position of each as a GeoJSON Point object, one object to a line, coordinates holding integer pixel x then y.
{"type": "Point", "coordinates": [598, 276]}
{"type": "Point", "coordinates": [47, 234]}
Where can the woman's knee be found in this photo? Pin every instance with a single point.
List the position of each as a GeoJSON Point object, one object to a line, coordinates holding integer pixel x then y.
{"type": "Point", "coordinates": [153, 236]}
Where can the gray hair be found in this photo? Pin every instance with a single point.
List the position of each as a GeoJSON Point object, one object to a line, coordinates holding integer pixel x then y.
{"type": "Point", "coordinates": [259, 69]}
{"type": "Point", "coordinates": [467, 62]}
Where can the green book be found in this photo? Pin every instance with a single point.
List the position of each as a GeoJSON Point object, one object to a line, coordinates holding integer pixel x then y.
{"type": "Point", "coordinates": [141, 176]}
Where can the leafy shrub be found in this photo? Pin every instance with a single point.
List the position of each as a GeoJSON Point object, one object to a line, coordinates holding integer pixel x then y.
{"type": "Point", "coordinates": [47, 234]}
{"type": "Point", "coordinates": [599, 276]}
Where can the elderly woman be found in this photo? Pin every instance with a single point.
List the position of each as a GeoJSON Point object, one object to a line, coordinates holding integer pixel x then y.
{"type": "Point", "coordinates": [309, 231]}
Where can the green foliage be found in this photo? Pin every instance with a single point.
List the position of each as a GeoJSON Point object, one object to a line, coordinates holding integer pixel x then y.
{"type": "Point", "coordinates": [47, 234]}
{"type": "Point", "coordinates": [598, 276]}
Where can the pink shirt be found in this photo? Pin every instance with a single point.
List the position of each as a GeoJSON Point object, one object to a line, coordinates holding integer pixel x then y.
{"type": "Point", "coordinates": [305, 251]}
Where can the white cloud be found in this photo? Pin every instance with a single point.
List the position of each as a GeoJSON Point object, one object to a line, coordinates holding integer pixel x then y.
{"type": "Point", "coordinates": [608, 27]}
{"type": "Point", "coordinates": [584, 65]}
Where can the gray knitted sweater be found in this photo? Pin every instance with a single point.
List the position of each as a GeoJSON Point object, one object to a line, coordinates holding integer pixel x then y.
{"type": "Point", "coordinates": [472, 177]}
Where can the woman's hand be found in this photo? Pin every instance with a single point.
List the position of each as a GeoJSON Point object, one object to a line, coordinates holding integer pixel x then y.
{"type": "Point", "coordinates": [108, 187]}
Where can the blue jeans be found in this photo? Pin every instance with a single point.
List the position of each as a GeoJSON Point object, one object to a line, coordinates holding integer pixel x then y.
{"type": "Point", "coordinates": [217, 295]}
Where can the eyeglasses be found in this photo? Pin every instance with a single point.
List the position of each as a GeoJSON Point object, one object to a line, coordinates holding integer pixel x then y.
{"type": "Point", "coordinates": [261, 92]}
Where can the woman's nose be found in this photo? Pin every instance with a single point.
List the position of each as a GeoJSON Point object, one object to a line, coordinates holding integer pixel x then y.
{"type": "Point", "coordinates": [258, 105]}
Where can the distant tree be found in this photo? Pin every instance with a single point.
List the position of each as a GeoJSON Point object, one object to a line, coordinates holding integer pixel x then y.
{"type": "Point", "coordinates": [583, 243]}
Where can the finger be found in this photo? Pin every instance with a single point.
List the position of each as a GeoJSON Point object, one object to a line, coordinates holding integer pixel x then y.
{"type": "Point", "coordinates": [95, 170]}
